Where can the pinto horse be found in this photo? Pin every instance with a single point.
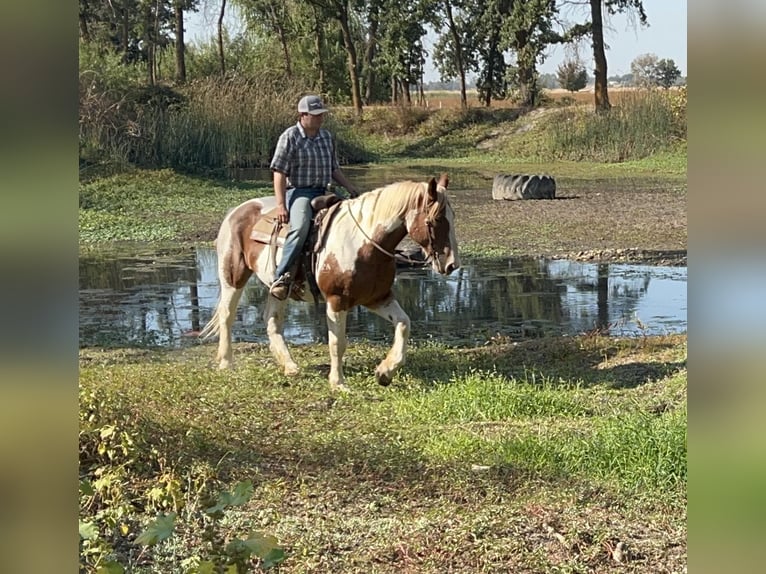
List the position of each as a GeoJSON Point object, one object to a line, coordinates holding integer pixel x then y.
{"type": "Point", "coordinates": [355, 265]}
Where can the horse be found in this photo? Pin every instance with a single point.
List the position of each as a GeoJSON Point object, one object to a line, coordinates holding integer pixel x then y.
{"type": "Point", "coordinates": [355, 265]}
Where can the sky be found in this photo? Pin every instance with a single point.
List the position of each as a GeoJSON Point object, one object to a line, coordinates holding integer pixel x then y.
{"type": "Point", "coordinates": [665, 36]}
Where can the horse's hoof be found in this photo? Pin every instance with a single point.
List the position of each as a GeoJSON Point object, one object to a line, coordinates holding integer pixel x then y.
{"type": "Point", "coordinates": [339, 388]}
{"type": "Point", "coordinates": [383, 379]}
{"type": "Point", "coordinates": [292, 370]}
{"type": "Point", "coordinates": [224, 365]}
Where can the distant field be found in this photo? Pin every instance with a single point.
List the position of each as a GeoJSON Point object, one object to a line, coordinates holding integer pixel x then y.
{"type": "Point", "coordinates": [451, 99]}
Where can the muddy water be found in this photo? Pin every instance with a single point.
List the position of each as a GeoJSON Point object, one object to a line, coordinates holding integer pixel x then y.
{"type": "Point", "coordinates": [163, 299]}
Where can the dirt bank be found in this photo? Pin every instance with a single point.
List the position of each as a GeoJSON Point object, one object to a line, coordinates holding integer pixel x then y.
{"type": "Point", "coordinates": [636, 220]}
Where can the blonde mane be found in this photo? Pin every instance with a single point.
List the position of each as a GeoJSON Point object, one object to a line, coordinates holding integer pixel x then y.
{"type": "Point", "coordinates": [396, 199]}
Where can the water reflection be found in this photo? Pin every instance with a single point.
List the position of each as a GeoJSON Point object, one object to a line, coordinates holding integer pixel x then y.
{"type": "Point", "coordinates": [164, 299]}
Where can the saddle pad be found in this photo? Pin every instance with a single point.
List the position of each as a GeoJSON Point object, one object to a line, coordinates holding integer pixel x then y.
{"type": "Point", "coordinates": [264, 227]}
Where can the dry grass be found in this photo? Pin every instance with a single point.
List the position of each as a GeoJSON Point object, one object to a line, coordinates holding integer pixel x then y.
{"type": "Point", "coordinates": [451, 99]}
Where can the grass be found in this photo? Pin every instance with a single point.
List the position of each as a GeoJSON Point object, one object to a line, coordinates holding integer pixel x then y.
{"type": "Point", "coordinates": [643, 124]}
{"type": "Point", "coordinates": [549, 455]}
{"type": "Point", "coordinates": [157, 206]}
{"type": "Point", "coordinates": [535, 457]}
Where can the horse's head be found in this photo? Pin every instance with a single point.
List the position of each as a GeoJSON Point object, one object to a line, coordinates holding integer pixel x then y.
{"type": "Point", "coordinates": [433, 228]}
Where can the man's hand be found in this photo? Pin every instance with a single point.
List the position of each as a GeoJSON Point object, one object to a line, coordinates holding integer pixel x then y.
{"type": "Point", "coordinates": [283, 216]}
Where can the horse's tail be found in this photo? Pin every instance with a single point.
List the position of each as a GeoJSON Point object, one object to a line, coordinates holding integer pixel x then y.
{"type": "Point", "coordinates": [212, 328]}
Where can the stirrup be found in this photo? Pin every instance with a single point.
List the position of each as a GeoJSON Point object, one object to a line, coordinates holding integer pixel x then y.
{"type": "Point", "coordinates": [280, 288]}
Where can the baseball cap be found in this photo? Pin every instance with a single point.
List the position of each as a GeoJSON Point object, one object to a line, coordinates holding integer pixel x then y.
{"type": "Point", "coordinates": [311, 105]}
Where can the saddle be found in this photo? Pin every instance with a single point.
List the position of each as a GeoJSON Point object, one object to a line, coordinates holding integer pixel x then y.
{"type": "Point", "coordinates": [269, 232]}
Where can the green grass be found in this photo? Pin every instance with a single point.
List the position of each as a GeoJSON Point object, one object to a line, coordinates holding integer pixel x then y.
{"type": "Point", "coordinates": [155, 206]}
{"type": "Point", "coordinates": [645, 125]}
{"type": "Point", "coordinates": [542, 456]}
{"type": "Point", "coordinates": [474, 460]}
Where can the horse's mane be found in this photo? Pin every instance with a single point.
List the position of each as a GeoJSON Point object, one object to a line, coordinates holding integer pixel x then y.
{"type": "Point", "coordinates": [396, 199]}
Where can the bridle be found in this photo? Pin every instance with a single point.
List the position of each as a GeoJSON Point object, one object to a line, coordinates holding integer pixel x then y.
{"type": "Point", "coordinates": [430, 251]}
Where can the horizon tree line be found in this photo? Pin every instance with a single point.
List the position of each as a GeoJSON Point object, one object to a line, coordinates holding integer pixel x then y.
{"type": "Point", "coordinates": [358, 51]}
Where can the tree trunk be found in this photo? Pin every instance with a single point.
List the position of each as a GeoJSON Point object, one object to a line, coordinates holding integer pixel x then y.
{"type": "Point", "coordinates": [421, 91]}
{"type": "Point", "coordinates": [599, 57]}
{"type": "Point", "coordinates": [124, 39]}
{"type": "Point", "coordinates": [458, 55]}
{"type": "Point", "coordinates": [149, 44]}
{"type": "Point", "coordinates": [84, 32]}
{"type": "Point", "coordinates": [180, 57]}
{"type": "Point", "coordinates": [369, 55]}
{"type": "Point", "coordinates": [353, 68]}
{"type": "Point", "coordinates": [319, 62]}
{"type": "Point", "coordinates": [277, 21]}
{"type": "Point", "coordinates": [285, 51]}
{"type": "Point", "coordinates": [220, 38]}
{"type": "Point", "coordinates": [393, 88]}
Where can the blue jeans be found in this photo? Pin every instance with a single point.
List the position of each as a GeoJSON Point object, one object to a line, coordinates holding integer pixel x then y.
{"type": "Point", "coordinates": [299, 205]}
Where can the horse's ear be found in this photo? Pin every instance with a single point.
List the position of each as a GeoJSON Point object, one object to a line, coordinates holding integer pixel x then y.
{"type": "Point", "coordinates": [443, 180]}
{"type": "Point", "coordinates": [432, 195]}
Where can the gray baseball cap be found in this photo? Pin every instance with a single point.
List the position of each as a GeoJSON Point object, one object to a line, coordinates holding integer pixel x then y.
{"type": "Point", "coordinates": [311, 105]}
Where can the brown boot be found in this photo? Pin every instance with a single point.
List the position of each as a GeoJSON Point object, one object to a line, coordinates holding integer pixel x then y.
{"type": "Point", "coordinates": [280, 289]}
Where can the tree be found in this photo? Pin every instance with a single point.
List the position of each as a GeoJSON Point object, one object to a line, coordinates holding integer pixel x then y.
{"type": "Point", "coordinates": [345, 12]}
{"type": "Point", "coordinates": [529, 31]}
{"type": "Point", "coordinates": [649, 71]}
{"type": "Point", "coordinates": [601, 94]}
{"type": "Point", "coordinates": [179, 7]}
{"type": "Point", "coordinates": [572, 75]}
{"type": "Point", "coordinates": [491, 81]}
{"type": "Point", "coordinates": [453, 52]}
{"type": "Point", "coordinates": [644, 70]}
{"type": "Point", "coordinates": [667, 73]}
{"type": "Point", "coordinates": [221, 57]}
{"type": "Point", "coordinates": [402, 55]}
{"type": "Point", "coordinates": [272, 18]}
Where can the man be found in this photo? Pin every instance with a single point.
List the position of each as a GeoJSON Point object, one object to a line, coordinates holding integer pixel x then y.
{"type": "Point", "coordinates": [304, 164]}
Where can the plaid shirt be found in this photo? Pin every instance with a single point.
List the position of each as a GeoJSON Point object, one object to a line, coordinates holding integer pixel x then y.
{"type": "Point", "coordinates": [307, 162]}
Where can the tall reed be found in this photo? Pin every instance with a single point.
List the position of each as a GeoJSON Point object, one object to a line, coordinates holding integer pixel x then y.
{"type": "Point", "coordinates": [209, 124]}
{"type": "Point", "coordinates": [222, 123]}
{"type": "Point", "coordinates": [645, 122]}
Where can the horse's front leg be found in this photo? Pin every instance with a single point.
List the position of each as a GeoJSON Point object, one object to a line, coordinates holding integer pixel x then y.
{"type": "Point", "coordinates": [225, 314]}
{"type": "Point", "coordinates": [336, 337]}
{"type": "Point", "coordinates": [274, 317]}
{"type": "Point", "coordinates": [396, 356]}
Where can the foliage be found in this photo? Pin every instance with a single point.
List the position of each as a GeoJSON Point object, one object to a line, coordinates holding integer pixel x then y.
{"type": "Point", "coordinates": [529, 30]}
{"type": "Point", "coordinates": [155, 206]}
{"type": "Point", "coordinates": [124, 474]}
{"type": "Point", "coordinates": [572, 75]}
{"type": "Point", "coordinates": [649, 71]}
{"type": "Point", "coordinates": [667, 73]}
{"type": "Point", "coordinates": [643, 124]}
{"type": "Point", "coordinates": [215, 123]}
{"type": "Point", "coordinates": [583, 434]}
{"type": "Point", "coordinates": [644, 70]}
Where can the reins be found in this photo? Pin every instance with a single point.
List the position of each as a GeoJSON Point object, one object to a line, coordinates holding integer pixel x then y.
{"type": "Point", "coordinates": [394, 256]}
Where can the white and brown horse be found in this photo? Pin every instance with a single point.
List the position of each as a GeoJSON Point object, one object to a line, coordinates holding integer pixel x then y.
{"type": "Point", "coordinates": [355, 265]}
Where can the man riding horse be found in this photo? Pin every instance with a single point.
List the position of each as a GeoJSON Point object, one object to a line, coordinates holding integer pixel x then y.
{"type": "Point", "coordinates": [304, 164]}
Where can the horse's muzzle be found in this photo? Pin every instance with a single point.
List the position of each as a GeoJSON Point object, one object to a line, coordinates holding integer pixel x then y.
{"type": "Point", "coordinates": [445, 267]}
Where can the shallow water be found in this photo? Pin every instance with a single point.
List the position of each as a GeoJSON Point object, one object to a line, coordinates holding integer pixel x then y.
{"type": "Point", "coordinates": [154, 298]}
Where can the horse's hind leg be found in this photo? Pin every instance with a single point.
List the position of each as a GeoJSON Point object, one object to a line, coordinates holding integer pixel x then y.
{"type": "Point", "coordinates": [226, 312]}
{"type": "Point", "coordinates": [396, 356]}
{"type": "Point", "coordinates": [274, 317]}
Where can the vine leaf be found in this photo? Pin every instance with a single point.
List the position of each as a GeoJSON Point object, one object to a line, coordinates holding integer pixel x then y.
{"type": "Point", "coordinates": [158, 530]}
